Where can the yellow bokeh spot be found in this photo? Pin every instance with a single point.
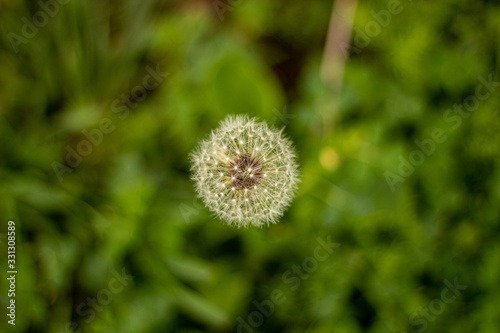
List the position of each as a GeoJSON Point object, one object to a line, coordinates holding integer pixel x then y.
{"type": "Point", "coordinates": [329, 158]}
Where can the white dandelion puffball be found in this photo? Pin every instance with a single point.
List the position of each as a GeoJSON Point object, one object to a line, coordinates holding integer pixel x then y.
{"type": "Point", "coordinates": [245, 172]}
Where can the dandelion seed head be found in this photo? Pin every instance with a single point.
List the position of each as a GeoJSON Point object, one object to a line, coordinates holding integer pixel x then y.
{"type": "Point", "coordinates": [254, 165]}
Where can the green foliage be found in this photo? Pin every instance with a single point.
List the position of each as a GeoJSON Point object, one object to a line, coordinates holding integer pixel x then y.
{"type": "Point", "coordinates": [126, 204]}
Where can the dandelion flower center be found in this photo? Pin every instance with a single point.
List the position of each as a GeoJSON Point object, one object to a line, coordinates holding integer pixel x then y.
{"type": "Point", "coordinates": [245, 172]}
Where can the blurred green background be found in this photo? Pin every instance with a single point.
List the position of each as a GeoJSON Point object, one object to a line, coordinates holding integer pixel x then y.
{"type": "Point", "coordinates": [131, 87]}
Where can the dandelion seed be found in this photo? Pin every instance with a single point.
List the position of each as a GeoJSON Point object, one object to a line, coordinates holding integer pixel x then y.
{"type": "Point", "coordinates": [251, 177]}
